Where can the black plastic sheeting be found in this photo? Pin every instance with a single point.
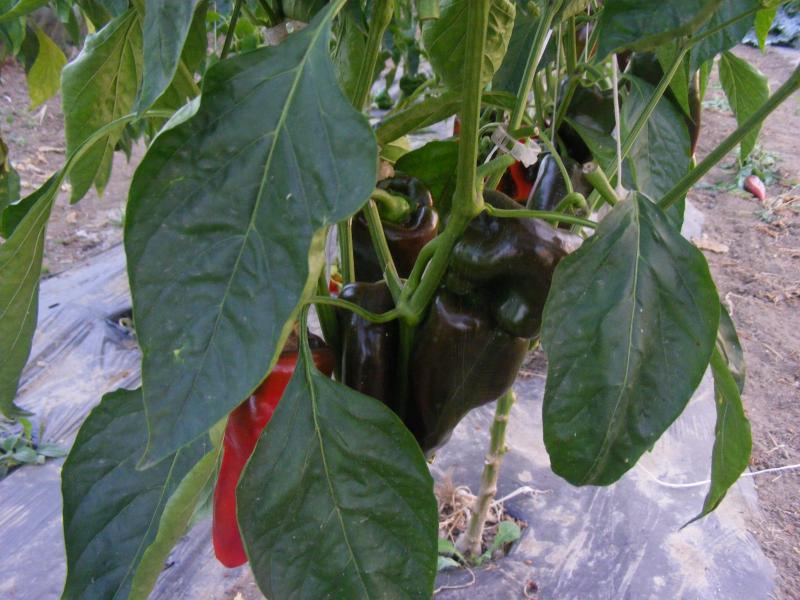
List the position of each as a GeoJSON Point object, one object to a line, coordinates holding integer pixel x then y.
{"type": "Point", "coordinates": [623, 541]}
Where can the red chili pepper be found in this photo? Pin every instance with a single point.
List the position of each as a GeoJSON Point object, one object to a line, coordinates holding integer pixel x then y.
{"type": "Point", "coordinates": [755, 186]}
{"type": "Point", "coordinates": [244, 427]}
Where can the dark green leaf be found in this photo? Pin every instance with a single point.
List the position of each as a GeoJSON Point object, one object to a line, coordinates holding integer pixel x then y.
{"type": "Point", "coordinates": [732, 439]}
{"type": "Point", "coordinates": [512, 69]}
{"type": "Point", "coordinates": [629, 327]}
{"type": "Point", "coordinates": [351, 34]}
{"type": "Point", "coordinates": [166, 25]}
{"type": "Point", "coordinates": [111, 510]}
{"type": "Point", "coordinates": [661, 153]}
{"type": "Point", "coordinates": [20, 9]}
{"type": "Point", "coordinates": [445, 38]}
{"type": "Point", "coordinates": [747, 89]}
{"type": "Point", "coordinates": [97, 87]}
{"type": "Point", "coordinates": [337, 500]}
{"type": "Point", "coordinates": [44, 78]}
{"type": "Point", "coordinates": [679, 86]}
{"type": "Point", "coordinates": [302, 10]}
{"type": "Point", "coordinates": [435, 165]}
{"type": "Point", "coordinates": [763, 24]}
{"type": "Point", "coordinates": [9, 181]}
{"type": "Point", "coordinates": [725, 38]}
{"type": "Point", "coordinates": [20, 267]}
{"type": "Point", "coordinates": [239, 207]}
{"type": "Point", "coordinates": [730, 348]}
{"type": "Point", "coordinates": [644, 25]}
{"type": "Point", "coordinates": [14, 213]}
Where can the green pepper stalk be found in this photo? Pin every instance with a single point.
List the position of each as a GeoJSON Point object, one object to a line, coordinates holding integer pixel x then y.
{"type": "Point", "coordinates": [467, 201]}
{"type": "Point", "coordinates": [491, 471]}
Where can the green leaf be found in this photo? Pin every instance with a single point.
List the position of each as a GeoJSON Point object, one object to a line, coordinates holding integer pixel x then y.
{"type": "Point", "coordinates": [512, 69]}
{"type": "Point", "coordinates": [444, 40]}
{"type": "Point", "coordinates": [435, 165]}
{"type": "Point", "coordinates": [644, 25]}
{"type": "Point", "coordinates": [725, 38]}
{"type": "Point", "coordinates": [20, 9]}
{"type": "Point", "coordinates": [166, 25]}
{"type": "Point", "coordinates": [732, 439]}
{"type": "Point", "coordinates": [747, 89]}
{"type": "Point", "coordinates": [240, 206]}
{"type": "Point", "coordinates": [302, 10]}
{"type": "Point", "coordinates": [111, 510]}
{"type": "Point", "coordinates": [661, 154]}
{"type": "Point", "coordinates": [97, 87]}
{"type": "Point", "coordinates": [445, 562]}
{"type": "Point", "coordinates": [20, 268]}
{"type": "Point", "coordinates": [763, 24]}
{"type": "Point", "coordinates": [730, 348]}
{"type": "Point", "coordinates": [44, 78]}
{"type": "Point", "coordinates": [337, 500]}
{"type": "Point", "coordinates": [629, 326]}
{"type": "Point", "coordinates": [178, 513]}
{"type": "Point", "coordinates": [679, 86]}
{"type": "Point", "coordinates": [13, 214]}
{"type": "Point", "coordinates": [9, 181]}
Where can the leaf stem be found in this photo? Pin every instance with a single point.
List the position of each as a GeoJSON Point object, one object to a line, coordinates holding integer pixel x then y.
{"type": "Point", "coordinates": [226, 47]}
{"type": "Point", "coordinates": [560, 163]}
{"type": "Point", "coordinates": [382, 249]}
{"type": "Point", "coordinates": [382, 11]}
{"type": "Point", "coordinates": [344, 235]}
{"type": "Point", "coordinates": [491, 471]}
{"type": "Point", "coordinates": [355, 308]}
{"type": "Point", "coordinates": [596, 177]}
{"type": "Point", "coordinates": [544, 215]}
{"type": "Point", "coordinates": [791, 85]}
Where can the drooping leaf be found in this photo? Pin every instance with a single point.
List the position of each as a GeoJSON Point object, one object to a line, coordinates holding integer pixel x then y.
{"type": "Point", "coordinates": [732, 439]}
{"type": "Point", "coordinates": [44, 78]}
{"type": "Point", "coordinates": [20, 8]}
{"type": "Point", "coordinates": [435, 165]}
{"type": "Point", "coordinates": [166, 25]}
{"type": "Point", "coordinates": [112, 511]}
{"type": "Point", "coordinates": [350, 45]}
{"type": "Point", "coordinates": [727, 37]}
{"type": "Point", "coordinates": [14, 213]}
{"type": "Point", "coordinates": [97, 87]}
{"type": "Point", "coordinates": [645, 24]}
{"type": "Point", "coordinates": [661, 154]}
{"type": "Point", "coordinates": [225, 227]}
{"type": "Point", "coordinates": [337, 500]}
{"type": "Point", "coordinates": [445, 40]}
{"type": "Point", "coordinates": [639, 300]}
{"type": "Point", "coordinates": [20, 268]}
{"type": "Point", "coordinates": [764, 19]}
{"type": "Point", "coordinates": [747, 89]}
{"type": "Point", "coordinates": [176, 518]}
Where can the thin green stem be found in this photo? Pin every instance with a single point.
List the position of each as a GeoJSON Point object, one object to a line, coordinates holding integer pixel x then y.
{"type": "Point", "coordinates": [226, 47]}
{"type": "Point", "coordinates": [392, 208]}
{"type": "Point", "coordinates": [692, 177]}
{"type": "Point", "coordinates": [327, 317]}
{"type": "Point", "coordinates": [344, 234]}
{"type": "Point", "coordinates": [355, 308]}
{"type": "Point", "coordinates": [544, 215]}
{"type": "Point", "coordinates": [467, 199]}
{"type": "Point", "coordinates": [564, 105]}
{"type": "Point", "coordinates": [714, 30]}
{"type": "Point", "coordinates": [491, 471]}
{"type": "Point", "coordinates": [382, 11]}
{"type": "Point", "coordinates": [499, 164]}
{"type": "Point", "coordinates": [382, 249]}
{"type": "Point", "coordinates": [598, 180]}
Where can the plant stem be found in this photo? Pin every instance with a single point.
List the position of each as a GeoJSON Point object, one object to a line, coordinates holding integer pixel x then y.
{"type": "Point", "coordinates": [226, 47]}
{"type": "Point", "coordinates": [544, 215]}
{"type": "Point", "coordinates": [467, 200]}
{"type": "Point", "coordinates": [382, 11]}
{"type": "Point", "coordinates": [372, 317]}
{"type": "Point", "coordinates": [382, 249]}
{"type": "Point", "coordinates": [393, 208]}
{"type": "Point", "coordinates": [491, 470]}
{"type": "Point", "coordinates": [687, 181]}
{"type": "Point", "coordinates": [327, 318]}
{"type": "Point", "coordinates": [617, 122]}
{"type": "Point", "coordinates": [560, 163]}
{"type": "Point", "coordinates": [501, 163]}
{"type": "Point", "coordinates": [345, 239]}
{"type": "Point", "coordinates": [598, 180]}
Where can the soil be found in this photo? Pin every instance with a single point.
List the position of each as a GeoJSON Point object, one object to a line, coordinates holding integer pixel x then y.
{"type": "Point", "coordinates": [753, 249]}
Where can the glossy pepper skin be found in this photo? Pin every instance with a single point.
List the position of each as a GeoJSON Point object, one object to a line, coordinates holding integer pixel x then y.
{"type": "Point", "coordinates": [405, 240]}
{"type": "Point", "coordinates": [369, 350]}
{"type": "Point", "coordinates": [591, 108]}
{"type": "Point", "coordinates": [245, 424]}
{"type": "Point", "coordinates": [475, 363]}
{"type": "Point", "coordinates": [550, 188]}
{"type": "Point", "coordinates": [482, 318]}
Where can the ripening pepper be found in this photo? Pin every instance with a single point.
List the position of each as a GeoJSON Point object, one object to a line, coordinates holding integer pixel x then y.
{"type": "Point", "coordinates": [369, 350]}
{"type": "Point", "coordinates": [405, 239]}
{"type": "Point", "coordinates": [482, 319]}
{"type": "Point", "coordinates": [245, 424]}
{"type": "Point", "coordinates": [550, 188]}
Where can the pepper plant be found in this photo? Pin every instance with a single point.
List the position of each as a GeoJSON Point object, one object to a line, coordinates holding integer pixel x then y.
{"type": "Point", "coordinates": [576, 124]}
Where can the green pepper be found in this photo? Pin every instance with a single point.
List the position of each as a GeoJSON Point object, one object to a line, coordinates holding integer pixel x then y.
{"type": "Point", "coordinates": [369, 350]}
{"type": "Point", "coordinates": [405, 240]}
{"type": "Point", "coordinates": [482, 319]}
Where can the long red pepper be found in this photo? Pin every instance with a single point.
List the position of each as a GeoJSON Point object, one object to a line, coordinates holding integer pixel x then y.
{"type": "Point", "coordinates": [245, 425]}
